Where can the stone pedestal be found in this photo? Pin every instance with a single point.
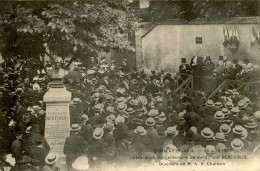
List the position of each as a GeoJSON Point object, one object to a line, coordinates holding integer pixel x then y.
{"type": "Point", "coordinates": [57, 121]}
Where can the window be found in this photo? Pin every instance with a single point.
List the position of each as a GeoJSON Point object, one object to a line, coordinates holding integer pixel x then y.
{"type": "Point", "coordinates": [198, 40]}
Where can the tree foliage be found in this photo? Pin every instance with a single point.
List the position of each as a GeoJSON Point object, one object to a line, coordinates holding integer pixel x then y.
{"type": "Point", "coordinates": [67, 28]}
{"type": "Point", "coordinates": [213, 9]}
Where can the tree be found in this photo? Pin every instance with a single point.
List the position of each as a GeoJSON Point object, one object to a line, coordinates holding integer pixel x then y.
{"type": "Point", "coordinates": [67, 28]}
{"type": "Point", "coordinates": [213, 9]}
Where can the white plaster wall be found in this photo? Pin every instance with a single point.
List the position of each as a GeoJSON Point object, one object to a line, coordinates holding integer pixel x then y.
{"type": "Point", "coordinates": [167, 44]}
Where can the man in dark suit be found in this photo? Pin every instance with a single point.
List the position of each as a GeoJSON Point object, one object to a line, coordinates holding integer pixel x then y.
{"type": "Point", "coordinates": [196, 65]}
{"type": "Point", "coordinates": [74, 145]}
{"type": "Point", "coordinates": [37, 151]}
{"type": "Point", "coordinates": [153, 87]}
{"type": "Point", "coordinates": [184, 67]}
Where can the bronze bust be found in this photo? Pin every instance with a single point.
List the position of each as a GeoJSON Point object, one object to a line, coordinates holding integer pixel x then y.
{"type": "Point", "coordinates": [57, 73]}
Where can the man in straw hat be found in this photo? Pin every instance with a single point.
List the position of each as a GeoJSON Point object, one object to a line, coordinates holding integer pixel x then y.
{"type": "Point", "coordinates": [97, 148]}
{"type": "Point", "coordinates": [207, 135]}
{"type": "Point", "coordinates": [75, 145]}
{"type": "Point", "coordinates": [50, 161]}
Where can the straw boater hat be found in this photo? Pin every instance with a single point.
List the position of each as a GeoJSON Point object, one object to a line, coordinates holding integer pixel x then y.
{"type": "Point", "coordinates": [76, 100]}
{"type": "Point", "coordinates": [51, 158]}
{"type": "Point", "coordinates": [218, 105]}
{"type": "Point", "coordinates": [194, 129]}
{"type": "Point", "coordinates": [225, 129]}
{"type": "Point", "coordinates": [119, 119]}
{"type": "Point", "coordinates": [235, 110]}
{"type": "Point", "coordinates": [257, 115]}
{"type": "Point", "coordinates": [210, 103]}
{"type": "Point", "coordinates": [153, 112]}
{"type": "Point", "coordinates": [75, 127]}
{"type": "Point", "coordinates": [98, 107]}
{"type": "Point", "coordinates": [121, 107]}
{"type": "Point", "coordinates": [85, 117]}
{"type": "Point", "coordinates": [229, 92]}
{"type": "Point", "coordinates": [229, 105]}
{"type": "Point", "coordinates": [172, 130]}
{"type": "Point", "coordinates": [150, 122]}
{"type": "Point", "coordinates": [219, 116]}
{"type": "Point", "coordinates": [110, 109]}
{"type": "Point", "coordinates": [140, 130]}
{"type": "Point", "coordinates": [36, 107]}
{"type": "Point", "coordinates": [219, 137]}
{"type": "Point", "coordinates": [98, 133]}
{"type": "Point", "coordinates": [130, 110]}
{"type": "Point", "coordinates": [241, 104]}
{"type": "Point", "coordinates": [226, 112]}
{"type": "Point", "coordinates": [235, 92]}
{"type": "Point", "coordinates": [121, 100]}
{"type": "Point", "coordinates": [237, 144]}
{"type": "Point", "coordinates": [251, 124]}
{"type": "Point", "coordinates": [81, 163]}
{"type": "Point", "coordinates": [238, 129]}
{"type": "Point", "coordinates": [247, 100]}
{"type": "Point", "coordinates": [96, 95]}
{"type": "Point", "coordinates": [207, 133]}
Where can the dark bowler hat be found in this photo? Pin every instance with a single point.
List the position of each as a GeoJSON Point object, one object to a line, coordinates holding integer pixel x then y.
{"type": "Point", "coordinates": [221, 58]}
{"type": "Point", "coordinates": [208, 58]}
{"type": "Point", "coordinates": [183, 60]}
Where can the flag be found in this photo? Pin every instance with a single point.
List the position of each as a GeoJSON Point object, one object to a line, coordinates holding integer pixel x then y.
{"type": "Point", "coordinates": [236, 33]}
{"type": "Point", "coordinates": [257, 33]}
{"type": "Point", "coordinates": [230, 33]}
{"type": "Point", "coordinates": [227, 33]}
{"type": "Point", "coordinates": [223, 37]}
{"type": "Point", "coordinates": [253, 39]}
{"type": "Point", "coordinates": [144, 4]}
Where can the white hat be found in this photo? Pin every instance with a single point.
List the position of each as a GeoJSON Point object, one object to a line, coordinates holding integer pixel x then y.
{"type": "Point", "coordinates": [75, 127]}
{"type": "Point", "coordinates": [81, 163]}
{"type": "Point", "coordinates": [207, 133]}
{"type": "Point", "coordinates": [51, 158]}
{"type": "Point", "coordinates": [90, 72]}
{"type": "Point", "coordinates": [193, 129]}
{"type": "Point", "coordinates": [257, 114]}
{"type": "Point", "coordinates": [172, 130]}
{"type": "Point", "coordinates": [237, 144]}
{"type": "Point", "coordinates": [119, 119]}
{"type": "Point", "coordinates": [153, 112]}
{"type": "Point", "coordinates": [98, 133]}
{"type": "Point", "coordinates": [85, 117]}
{"type": "Point", "coordinates": [140, 130]}
{"type": "Point", "coordinates": [150, 121]}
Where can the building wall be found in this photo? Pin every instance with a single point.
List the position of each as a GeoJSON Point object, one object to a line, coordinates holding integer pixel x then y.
{"type": "Point", "coordinates": [165, 45]}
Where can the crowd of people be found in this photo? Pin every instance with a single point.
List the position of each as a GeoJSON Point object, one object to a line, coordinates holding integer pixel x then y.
{"type": "Point", "coordinates": [123, 117]}
{"type": "Point", "coordinates": [225, 69]}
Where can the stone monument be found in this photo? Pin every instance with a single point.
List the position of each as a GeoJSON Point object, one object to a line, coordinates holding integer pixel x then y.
{"type": "Point", "coordinates": [57, 121]}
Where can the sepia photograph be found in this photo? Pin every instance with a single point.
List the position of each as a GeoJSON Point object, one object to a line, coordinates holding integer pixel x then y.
{"type": "Point", "coordinates": [123, 85]}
